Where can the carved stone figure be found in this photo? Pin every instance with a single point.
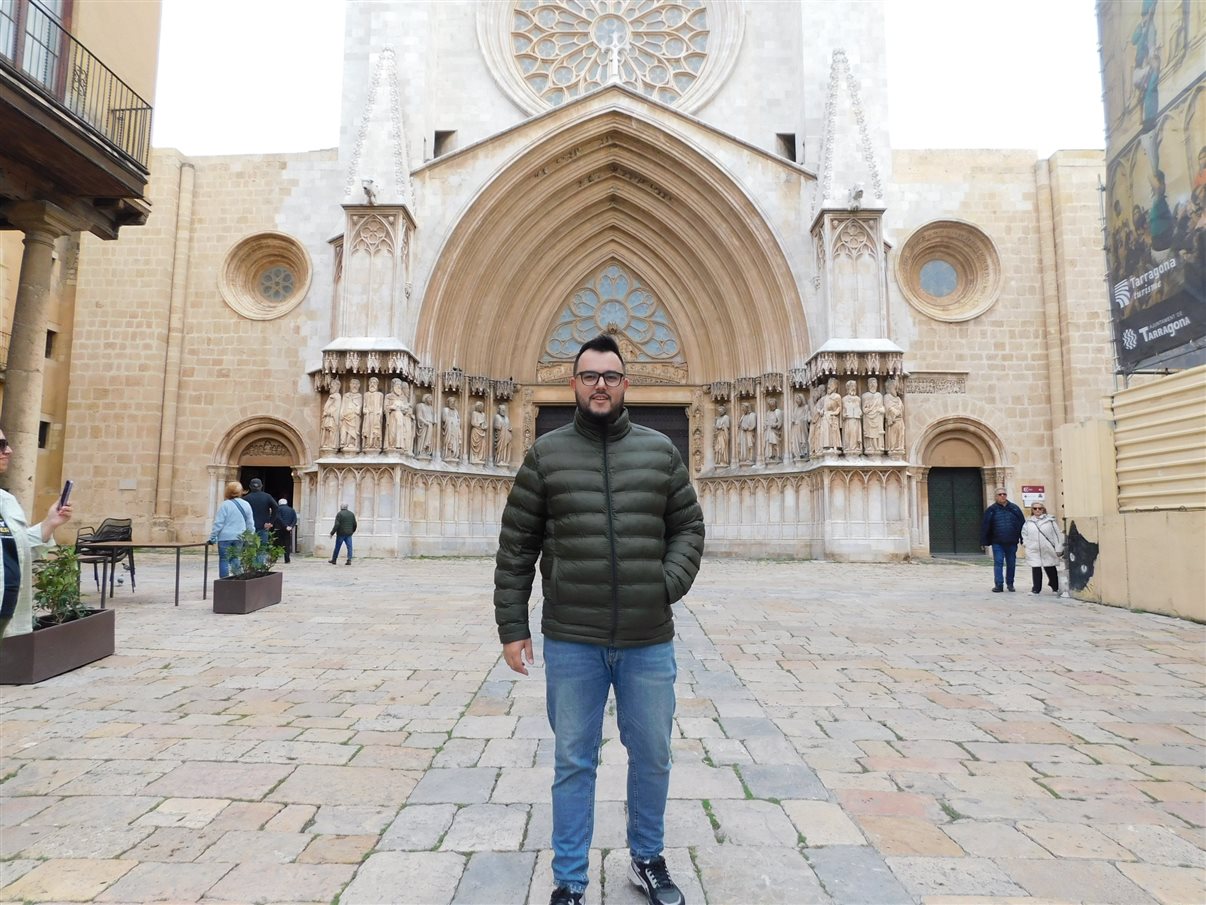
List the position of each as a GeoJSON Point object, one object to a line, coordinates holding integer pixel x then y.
{"type": "Point", "coordinates": [478, 428]}
{"type": "Point", "coordinates": [773, 432]}
{"type": "Point", "coordinates": [800, 418]}
{"type": "Point", "coordinates": [399, 418]}
{"type": "Point", "coordinates": [746, 427]}
{"type": "Point", "coordinates": [374, 411]}
{"type": "Point", "coordinates": [349, 417]}
{"type": "Point", "coordinates": [502, 437]}
{"type": "Point", "coordinates": [894, 435]}
{"type": "Point", "coordinates": [829, 435]}
{"type": "Point", "coordinates": [450, 427]}
{"type": "Point", "coordinates": [852, 420]}
{"type": "Point", "coordinates": [720, 435]}
{"type": "Point", "coordinates": [873, 419]}
{"type": "Point", "coordinates": [329, 424]}
{"type": "Point", "coordinates": [425, 419]}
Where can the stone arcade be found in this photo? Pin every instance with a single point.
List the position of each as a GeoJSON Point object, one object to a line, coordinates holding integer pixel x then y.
{"type": "Point", "coordinates": [816, 320]}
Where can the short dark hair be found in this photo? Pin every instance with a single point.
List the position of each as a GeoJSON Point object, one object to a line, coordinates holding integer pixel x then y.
{"type": "Point", "coordinates": [604, 342]}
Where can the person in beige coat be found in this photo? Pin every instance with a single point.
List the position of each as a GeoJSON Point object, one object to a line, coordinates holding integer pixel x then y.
{"type": "Point", "coordinates": [1044, 542]}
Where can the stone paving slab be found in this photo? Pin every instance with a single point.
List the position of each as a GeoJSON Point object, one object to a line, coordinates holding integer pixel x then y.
{"type": "Point", "coordinates": [845, 733]}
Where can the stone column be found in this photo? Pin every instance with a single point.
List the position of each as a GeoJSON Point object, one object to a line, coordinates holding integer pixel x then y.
{"type": "Point", "coordinates": [42, 223]}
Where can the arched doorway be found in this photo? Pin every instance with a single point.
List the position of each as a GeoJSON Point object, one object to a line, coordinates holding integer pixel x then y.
{"type": "Point", "coordinates": [963, 460]}
{"type": "Point", "coordinates": [271, 450]}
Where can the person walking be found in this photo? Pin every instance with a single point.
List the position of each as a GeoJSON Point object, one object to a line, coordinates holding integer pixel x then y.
{"type": "Point", "coordinates": [608, 508]}
{"type": "Point", "coordinates": [230, 521]}
{"type": "Point", "coordinates": [22, 543]}
{"type": "Point", "coordinates": [345, 527]}
{"type": "Point", "coordinates": [1044, 542]}
{"type": "Point", "coordinates": [263, 509]}
{"type": "Point", "coordinates": [1001, 528]}
{"type": "Point", "coordinates": [283, 524]}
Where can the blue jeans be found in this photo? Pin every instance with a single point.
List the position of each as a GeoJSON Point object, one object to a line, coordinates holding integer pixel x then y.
{"type": "Point", "coordinates": [340, 540]}
{"type": "Point", "coordinates": [577, 680]}
{"type": "Point", "coordinates": [227, 550]}
{"type": "Point", "coordinates": [265, 539]}
{"type": "Point", "coordinates": [1006, 554]}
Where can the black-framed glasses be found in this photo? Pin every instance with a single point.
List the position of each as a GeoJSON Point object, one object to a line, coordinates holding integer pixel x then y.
{"type": "Point", "coordinates": [591, 378]}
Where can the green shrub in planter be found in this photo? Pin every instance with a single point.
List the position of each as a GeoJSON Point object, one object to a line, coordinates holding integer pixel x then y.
{"type": "Point", "coordinates": [253, 558]}
{"type": "Point", "coordinates": [56, 581]}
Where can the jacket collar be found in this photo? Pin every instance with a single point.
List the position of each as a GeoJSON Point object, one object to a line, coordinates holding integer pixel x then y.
{"type": "Point", "coordinates": [592, 430]}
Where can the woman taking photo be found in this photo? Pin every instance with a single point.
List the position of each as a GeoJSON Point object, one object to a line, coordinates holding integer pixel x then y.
{"type": "Point", "coordinates": [22, 545]}
{"type": "Point", "coordinates": [1044, 544]}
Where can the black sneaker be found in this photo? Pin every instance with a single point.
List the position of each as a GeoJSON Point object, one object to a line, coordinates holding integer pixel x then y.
{"type": "Point", "coordinates": [563, 896]}
{"type": "Point", "coordinates": [1010, 588]}
{"type": "Point", "coordinates": [652, 878]}
{"type": "Point", "coordinates": [998, 590]}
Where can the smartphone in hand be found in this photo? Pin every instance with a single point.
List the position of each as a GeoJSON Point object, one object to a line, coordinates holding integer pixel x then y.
{"type": "Point", "coordinates": [66, 494]}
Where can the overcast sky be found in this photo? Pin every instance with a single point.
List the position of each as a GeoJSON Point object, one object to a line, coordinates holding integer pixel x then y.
{"type": "Point", "coordinates": [961, 74]}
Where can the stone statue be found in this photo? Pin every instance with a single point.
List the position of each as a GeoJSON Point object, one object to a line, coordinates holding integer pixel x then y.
{"type": "Point", "coordinates": [829, 434]}
{"type": "Point", "coordinates": [800, 418]}
{"type": "Point", "coordinates": [349, 418]}
{"type": "Point", "coordinates": [478, 429]}
{"type": "Point", "coordinates": [720, 436]}
{"type": "Point", "coordinates": [852, 420]}
{"type": "Point", "coordinates": [450, 425]}
{"type": "Point", "coordinates": [399, 418]}
{"type": "Point", "coordinates": [894, 437]}
{"type": "Point", "coordinates": [502, 437]}
{"type": "Point", "coordinates": [873, 419]}
{"type": "Point", "coordinates": [425, 420]}
{"type": "Point", "coordinates": [374, 411]}
{"type": "Point", "coordinates": [773, 432]}
{"type": "Point", "coordinates": [745, 437]}
{"type": "Point", "coordinates": [330, 418]}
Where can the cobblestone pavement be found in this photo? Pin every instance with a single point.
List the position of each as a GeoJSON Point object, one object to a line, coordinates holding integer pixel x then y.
{"type": "Point", "coordinates": [845, 733]}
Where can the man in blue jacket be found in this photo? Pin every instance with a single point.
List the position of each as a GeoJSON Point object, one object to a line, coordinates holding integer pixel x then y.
{"type": "Point", "coordinates": [1001, 528]}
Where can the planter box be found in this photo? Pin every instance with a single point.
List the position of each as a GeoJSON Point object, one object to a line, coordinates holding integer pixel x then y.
{"type": "Point", "coordinates": [239, 596]}
{"type": "Point", "coordinates": [56, 649]}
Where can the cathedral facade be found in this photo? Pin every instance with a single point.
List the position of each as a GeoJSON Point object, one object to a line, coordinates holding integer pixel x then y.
{"type": "Point", "coordinates": [850, 344]}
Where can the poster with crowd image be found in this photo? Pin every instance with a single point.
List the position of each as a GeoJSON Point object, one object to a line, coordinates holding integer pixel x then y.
{"type": "Point", "coordinates": [1155, 107]}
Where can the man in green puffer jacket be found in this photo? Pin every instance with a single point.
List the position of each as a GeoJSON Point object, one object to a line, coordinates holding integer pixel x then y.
{"type": "Point", "coordinates": [608, 508]}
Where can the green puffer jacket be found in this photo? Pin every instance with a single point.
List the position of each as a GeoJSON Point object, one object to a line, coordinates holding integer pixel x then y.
{"type": "Point", "coordinates": [613, 517]}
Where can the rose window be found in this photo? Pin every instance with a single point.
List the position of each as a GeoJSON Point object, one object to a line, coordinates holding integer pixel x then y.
{"type": "Point", "coordinates": [614, 301]}
{"type": "Point", "coordinates": [276, 284]}
{"type": "Point", "coordinates": [567, 48]}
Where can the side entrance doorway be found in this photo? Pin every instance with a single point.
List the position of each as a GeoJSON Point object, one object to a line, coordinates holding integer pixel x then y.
{"type": "Point", "coordinates": [278, 480]}
{"type": "Point", "coordinates": [671, 420]}
{"type": "Point", "coordinates": [956, 505]}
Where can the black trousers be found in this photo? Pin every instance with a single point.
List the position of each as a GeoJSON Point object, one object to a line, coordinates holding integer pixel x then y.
{"type": "Point", "coordinates": [1036, 578]}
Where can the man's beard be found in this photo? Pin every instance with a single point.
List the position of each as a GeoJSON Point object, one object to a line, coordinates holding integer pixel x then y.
{"type": "Point", "coordinates": [599, 417]}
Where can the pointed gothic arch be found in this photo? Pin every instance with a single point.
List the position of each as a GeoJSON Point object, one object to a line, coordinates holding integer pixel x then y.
{"type": "Point", "coordinates": [612, 184]}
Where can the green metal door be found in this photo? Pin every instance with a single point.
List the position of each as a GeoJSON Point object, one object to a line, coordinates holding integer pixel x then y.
{"type": "Point", "coordinates": [956, 506]}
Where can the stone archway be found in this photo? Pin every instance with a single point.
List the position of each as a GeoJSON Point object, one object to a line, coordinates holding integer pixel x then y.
{"type": "Point", "coordinates": [613, 185]}
{"type": "Point", "coordinates": [961, 460]}
{"type": "Point", "coordinates": [262, 443]}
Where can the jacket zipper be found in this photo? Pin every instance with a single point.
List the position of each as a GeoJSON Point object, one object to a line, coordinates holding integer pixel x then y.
{"type": "Point", "coordinates": [611, 538]}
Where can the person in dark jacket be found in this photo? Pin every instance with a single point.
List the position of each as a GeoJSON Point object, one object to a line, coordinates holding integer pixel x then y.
{"type": "Point", "coordinates": [263, 509]}
{"type": "Point", "coordinates": [608, 508]}
{"type": "Point", "coordinates": [283, 524]}
{"type": "Point", "coordinates": [1001, 528]}
{"type": "Point", "coordinates": [345, 527]}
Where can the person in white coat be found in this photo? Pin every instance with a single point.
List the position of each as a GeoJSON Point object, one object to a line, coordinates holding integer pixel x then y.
{"type": "Point", "coordinates": [20, 545]}
{"type": "Point", "coordinates": [1044, 542]}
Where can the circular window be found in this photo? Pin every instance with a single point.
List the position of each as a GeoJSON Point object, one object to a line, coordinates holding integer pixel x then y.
{"type": "Point", "coordinates": [949, 271]}
{"type": "Point", "coordinates": [265, 276]}
{"type": "Point", "coordinates": [545, 53]}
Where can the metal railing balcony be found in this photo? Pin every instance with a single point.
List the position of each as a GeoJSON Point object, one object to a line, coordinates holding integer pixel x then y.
{"type": "Point", "coordinates": [36, 50]}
